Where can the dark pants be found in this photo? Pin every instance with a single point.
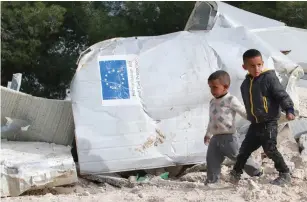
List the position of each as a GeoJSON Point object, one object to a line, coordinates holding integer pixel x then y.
{"type": "Point", "coordinates": [265, 135]}
{"type": "Point", "coordinates": [222, 146]}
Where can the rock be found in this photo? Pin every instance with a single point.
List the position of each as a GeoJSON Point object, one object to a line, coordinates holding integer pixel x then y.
{"type": "Point", "coordinates": [102, 189]}
{"type": "Point", "coordinates": [299, 173]}
{"type": "Point", "coordinates": [194, 177]}
{"type": "Point", "coordinates": [109, 187]}
{"type": "Point", "coordinates": [35, 165]}
{"type": "Point", "coordinates": [91, 184]}
{"type": "Point", "coordinates": [64, 190]}
{"type": "Point", "coordinates": [253, 185]}
{"type": "Point", "coordinates": [303, 141]}
{"type": "Point", "coordinates": [132, 179]}
{"type": "Point", "coordinates": [298, 161]}
{"type": "Point", "coordinates": [291, 165]}
{"type": "Point", "coordinates": [196, 168]}
{"type": "Point", "coordinates": [156, 199]}
{"type": "Point", "coordinates": [168, 184]}
{"type": "Point", "coordinates": [186, 199]}
{"type": "Point", "coordinates": [304, 156]}
{"type": "Point", "coordinates": [228, 162]}
{"type": "Point", "coordinates": [269, 169]}
{"type": "Point", "coordinates": [141, 195]}
{"type": "Point", "coordinates": [48, 195]}
{"type": "Point", "coordinates": [86, 193]}
{"type": "Point", "coordinates": [174, 171]}
{"type": "Point", "coordinates": [113, 180]}
{"type": "Point", "coordinates": [276, 190]}
{"type": "Point", "coordinates": [303, 144]}
{"type": "Point", "coordinates": [83, 182]}
{"type": "Point", "coordinates": [135, 190]}
{"type": "Point", "coordinates": [249, 195]}
{"type": "Point", "coordinates": [225, 172]}
{"type": "Point", "coordinates": [156, 171]}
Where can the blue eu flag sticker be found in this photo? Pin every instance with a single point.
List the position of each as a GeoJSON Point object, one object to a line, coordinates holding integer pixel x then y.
{"type": "Point", "coordinates": [114, 80]}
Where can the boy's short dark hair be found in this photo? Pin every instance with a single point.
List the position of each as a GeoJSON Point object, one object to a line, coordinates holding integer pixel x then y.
{"type": "Point", "coordinates": [221, 75]}
{"type": "Point", "coordinates": [251, 53]}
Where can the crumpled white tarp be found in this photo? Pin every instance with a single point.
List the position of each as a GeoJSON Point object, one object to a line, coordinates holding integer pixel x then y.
{"type": "Point", "coordinates": [287, 39]}
{"type": "Point", "coordinates": [216, 14]}
{"type": "Point", "coordinates": [230, 16]}
{"type": "Point", "coordinates": [142, 102]}
{"type": "Point", "coordinates": [208, 15]}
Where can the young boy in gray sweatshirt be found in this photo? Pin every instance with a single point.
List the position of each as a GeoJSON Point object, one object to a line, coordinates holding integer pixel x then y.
{"type": "Point", "coordinates": [221, 131]}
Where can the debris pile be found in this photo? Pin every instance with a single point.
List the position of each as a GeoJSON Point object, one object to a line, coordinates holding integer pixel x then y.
{"type": "Point", "coordinates": [158, 185]}
{"type": "Point", "coordinates": [34, 165]}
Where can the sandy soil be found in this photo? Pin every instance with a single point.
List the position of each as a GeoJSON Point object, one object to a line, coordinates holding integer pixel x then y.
{"type": "Point", "coordinates": [249, 189]}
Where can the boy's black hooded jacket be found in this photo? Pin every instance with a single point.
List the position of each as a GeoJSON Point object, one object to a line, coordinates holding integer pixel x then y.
{"type": "Point", "coordinates": [263, 96]}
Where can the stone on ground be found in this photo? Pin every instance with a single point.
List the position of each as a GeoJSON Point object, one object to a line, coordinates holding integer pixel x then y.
{"type": "Point", "coordinates": [34, 165]}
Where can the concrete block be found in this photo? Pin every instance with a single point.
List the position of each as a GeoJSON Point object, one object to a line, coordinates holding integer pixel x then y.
{"type": "Point", "coordinates": [34, 165]}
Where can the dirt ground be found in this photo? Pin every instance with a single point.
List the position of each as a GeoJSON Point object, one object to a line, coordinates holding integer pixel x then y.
{"type": "Point", "coordinates": [248, 190]}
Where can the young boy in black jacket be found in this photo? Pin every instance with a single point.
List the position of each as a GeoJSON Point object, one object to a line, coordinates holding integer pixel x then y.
{"type": "Point", "coordinates": [263, 95]}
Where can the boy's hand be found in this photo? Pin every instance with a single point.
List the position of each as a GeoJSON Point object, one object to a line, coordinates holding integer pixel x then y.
{"type": "Point", "coordinates": [206, 140]}
{"type": "Point", "coordinates": [290, 116]}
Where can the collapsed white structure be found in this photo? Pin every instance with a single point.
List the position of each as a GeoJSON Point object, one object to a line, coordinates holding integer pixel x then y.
{"type": "Point", "coordinates": [34, 165]}
{"type": "Point", "coordinates": [142, 102]}
{"type": "Point", "coordinates": [287, 39]}
{"type": "Point", "coordinates": [48, 120]}
{"type": "Point", "coordinates": [211, 15]}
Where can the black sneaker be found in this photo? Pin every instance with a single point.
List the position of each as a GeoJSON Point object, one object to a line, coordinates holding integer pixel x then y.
{"type": "Point", "coordinates": [282, 179]}
{"type": "Point", "coordinates": [234, 177]}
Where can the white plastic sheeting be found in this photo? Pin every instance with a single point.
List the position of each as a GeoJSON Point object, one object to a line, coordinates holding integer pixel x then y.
{"type": "Point", "coordinates": [287, 39]}
{"type": "Point", "coordinates": [142, 102]}
{"type": "Point", "coordinates": [230, 16]}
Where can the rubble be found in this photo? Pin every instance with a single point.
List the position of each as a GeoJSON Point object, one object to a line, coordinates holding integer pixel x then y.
{"type": "Point", "coordinates": [300, 174]}
{"type": "Point", "coordinates": [196, 168]}
{"type": "Point", "coordinates": [194, 177]}
{"type": "Point", "coordinates": [190, 186]}
{"type": "Point", "coordinates": [298, 127]}
{"type": "Point", "coordinates": [303, 100]}
{"type": "Point", "coordinates": [34, 165]}
{"type": "Point", "coordinates": [303, 144]}
{"type": "Point", "coordinates": [253, 185]}
{"type": "Point", "coordinates": [176, 184]}
{"type": "Point", "coordinates": [174, 171]}
{"type": "Point", "coordinates": [111, 179]}
{"type": "Point", "coordinates": [291, 165]}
